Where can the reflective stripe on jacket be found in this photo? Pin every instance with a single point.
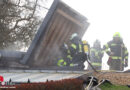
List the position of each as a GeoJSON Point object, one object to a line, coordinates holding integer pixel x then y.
{"type": "Point", "coordinates": [61, 63]}
{"type": "Point", "coordinates": [96, 64]}
{"type": "Point", "coordinates": [78, 49]}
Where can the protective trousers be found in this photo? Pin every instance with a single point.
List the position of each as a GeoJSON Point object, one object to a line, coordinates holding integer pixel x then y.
{"type": "Point", "coordinates": [116, 64]}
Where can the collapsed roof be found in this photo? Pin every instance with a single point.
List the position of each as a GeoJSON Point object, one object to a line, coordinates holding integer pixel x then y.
{"type": "Point", "coordinates": [59, 24]}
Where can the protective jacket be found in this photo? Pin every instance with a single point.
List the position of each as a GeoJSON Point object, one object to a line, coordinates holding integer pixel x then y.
{"type": "Point", "coordinates": [119, 56]}
{"type": "Point", "coordinates": [96, 56]}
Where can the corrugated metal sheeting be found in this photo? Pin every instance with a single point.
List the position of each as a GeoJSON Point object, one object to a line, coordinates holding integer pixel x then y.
{"type": "Point", "coordinates": [63, 22]}
{"type": "Point", "coordinates": [37, 76]}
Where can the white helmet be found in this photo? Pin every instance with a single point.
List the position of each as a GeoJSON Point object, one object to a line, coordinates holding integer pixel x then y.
{"type": "Point", "coordinates": [73, 35]}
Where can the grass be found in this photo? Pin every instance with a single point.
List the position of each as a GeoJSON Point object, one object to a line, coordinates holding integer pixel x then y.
{"type": "Point", "coordinates": [107, 86]}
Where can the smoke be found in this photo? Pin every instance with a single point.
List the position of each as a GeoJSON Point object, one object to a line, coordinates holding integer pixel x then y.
{"type": "Point", "coordinates": [16, 46]}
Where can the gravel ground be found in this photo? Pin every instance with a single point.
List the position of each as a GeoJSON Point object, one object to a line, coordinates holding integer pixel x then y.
{"type": "Point", "coordinates": [114, 77]}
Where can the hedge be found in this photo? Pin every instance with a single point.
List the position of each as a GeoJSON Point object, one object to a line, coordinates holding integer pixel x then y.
{"type": "Point", "coordinates": [65, 84]}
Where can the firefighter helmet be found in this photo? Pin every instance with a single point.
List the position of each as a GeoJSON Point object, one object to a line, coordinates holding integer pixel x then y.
{"type": "Point", "coordinates": [117, 34]}
{"type": "Point", "coordinates": [84, 42]}
{"type": "Point", "coordinates": [73, 35]}
{"type": "Point", "coordinates": [97, 43]}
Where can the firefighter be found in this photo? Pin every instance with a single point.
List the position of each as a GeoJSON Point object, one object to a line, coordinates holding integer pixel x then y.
{"type": "Point", "coordinates": [117, 52]}
{"type": "Point", "coordinates": [77, 51]}
{"type": "Point", "coordinates": [96, 55]}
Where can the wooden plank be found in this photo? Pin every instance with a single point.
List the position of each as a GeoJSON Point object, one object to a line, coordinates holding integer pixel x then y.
{"type": "Point", "coordinates": [44, 44]}
{"type": "Point", "coordinates": [59, 36]}
{"type": "Point", "coordinates": [69, 17]}
{"type": "Point", "coordinates": [51, 46]}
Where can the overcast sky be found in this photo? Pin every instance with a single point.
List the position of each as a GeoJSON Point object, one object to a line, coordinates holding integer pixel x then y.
{"type": "Point", "coordinates": [105, 17]}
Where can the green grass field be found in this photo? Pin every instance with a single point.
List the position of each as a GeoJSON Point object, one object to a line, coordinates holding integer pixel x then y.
{"type": "Point", "coordinates": [107, 86]}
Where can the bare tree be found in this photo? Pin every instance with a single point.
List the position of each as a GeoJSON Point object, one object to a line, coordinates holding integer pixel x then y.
{"type": "Point", "coordinates": [19, 21]}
